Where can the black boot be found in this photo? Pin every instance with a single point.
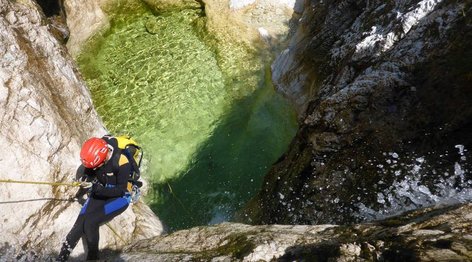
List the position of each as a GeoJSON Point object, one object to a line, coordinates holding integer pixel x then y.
{"type": "Point", "coordinates": [65, 252]}
{"type": "Point", "coordinates": [92, 255]}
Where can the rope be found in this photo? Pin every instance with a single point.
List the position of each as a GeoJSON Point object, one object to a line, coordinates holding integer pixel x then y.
{"type": "Point", "coordinates": [116, 234]}
{"type": "Point", "coordinates": [75, 184]}
{"type": "Point", "coordinates": [180, 202]}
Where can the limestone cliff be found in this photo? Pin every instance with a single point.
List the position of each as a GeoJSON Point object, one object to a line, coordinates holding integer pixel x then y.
{"type": "Point", "coordinates": [383, 93]}
{"type": "Point", "coordinates": [46, 114]}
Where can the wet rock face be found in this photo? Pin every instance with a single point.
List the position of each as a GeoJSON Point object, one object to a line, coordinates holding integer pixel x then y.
{"type": "Point", "coordinates": [46, 114]}
{"type": "Point", "coordinates": [383, 91]}
{"type": "Point", "coordinates": [423, 235]}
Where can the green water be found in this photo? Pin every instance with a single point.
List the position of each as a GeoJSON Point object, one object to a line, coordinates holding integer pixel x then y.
{"type": "Point", "coordinates": [209, 136]}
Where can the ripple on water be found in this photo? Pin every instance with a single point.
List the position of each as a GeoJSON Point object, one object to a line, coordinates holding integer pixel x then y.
{"type": "Point", "coordinates": [171, 84]}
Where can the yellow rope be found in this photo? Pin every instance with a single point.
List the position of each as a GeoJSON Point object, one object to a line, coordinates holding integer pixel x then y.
{"type": "Point", "coordinates": [39, 182]}
{"type": "Point", "coordinates": [75, 184]}
{"type": "Point", "coordinates": [180, 202]}
{"type": "Point", "coordinates": [116, 234]}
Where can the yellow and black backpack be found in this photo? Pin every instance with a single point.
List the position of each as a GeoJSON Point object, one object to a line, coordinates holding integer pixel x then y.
{"type": "Point", "coordinates": [135, 154]}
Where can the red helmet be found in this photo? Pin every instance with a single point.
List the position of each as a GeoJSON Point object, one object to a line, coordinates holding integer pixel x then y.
{"type": "Point", "coordinates": [94, 152]}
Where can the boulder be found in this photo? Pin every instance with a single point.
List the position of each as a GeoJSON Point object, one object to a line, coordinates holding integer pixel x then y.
{"type": "Point", "coordinates": [84, 19]}
{"type": "Point", "coordinates": [433, 234]}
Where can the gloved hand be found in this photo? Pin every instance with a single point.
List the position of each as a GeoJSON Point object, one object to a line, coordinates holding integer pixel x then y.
{"type": "Point", "coordinates": [97, 187]}
{"type": "Point", "coordinates": [135, 194]}
{"type": "Point", "coordinates": [86, 184]}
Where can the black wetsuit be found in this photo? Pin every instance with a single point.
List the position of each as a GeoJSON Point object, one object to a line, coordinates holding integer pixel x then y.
{"type": "Point", "coordinates": [109, 197]}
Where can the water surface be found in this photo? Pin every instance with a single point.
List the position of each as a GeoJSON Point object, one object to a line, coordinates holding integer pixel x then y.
{"type": "Point", "coordinates": [209, 136]}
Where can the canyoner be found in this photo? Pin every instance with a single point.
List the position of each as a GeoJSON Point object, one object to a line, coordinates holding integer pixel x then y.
{"type": "Point", "coordinates": [109, 183]}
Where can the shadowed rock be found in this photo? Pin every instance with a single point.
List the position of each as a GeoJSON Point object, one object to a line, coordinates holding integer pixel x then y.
{"type": "Point", "coordinates": [383, 93]}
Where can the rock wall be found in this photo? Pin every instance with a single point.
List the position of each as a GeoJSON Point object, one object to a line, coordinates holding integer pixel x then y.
{"type": "Point", "coordinates": [270, 18]}
{"type": "Point", "coordinates": [383, 93]}
{"type": "Point", "coordinates": [237, 21]}
{"type": "Point", "coordinates": [46, 114]}
{"type": "Point", "coordinates": [423, 235]}
{"type": "Point", "coordinates": [84, 19]}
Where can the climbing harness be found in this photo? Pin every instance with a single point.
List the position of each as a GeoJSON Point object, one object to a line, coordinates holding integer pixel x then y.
{"type": "Point", "coordinates": [74, 184]}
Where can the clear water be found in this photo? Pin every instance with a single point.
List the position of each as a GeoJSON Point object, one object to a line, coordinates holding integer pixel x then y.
{"type": "Point", "coordinates": [210, 127]}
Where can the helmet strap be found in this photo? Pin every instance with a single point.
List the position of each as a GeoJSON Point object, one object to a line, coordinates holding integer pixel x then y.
{"type": "Point", "coordinates": [110, 152]}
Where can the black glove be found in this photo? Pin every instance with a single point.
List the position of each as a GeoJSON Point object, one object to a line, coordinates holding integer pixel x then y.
{"type": "Point", "coordinates": [97, 187]}
{"type": "Point", "coordinates": [83, 191]}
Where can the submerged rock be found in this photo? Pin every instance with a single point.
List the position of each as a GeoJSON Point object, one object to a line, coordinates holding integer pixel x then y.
{"type": "Point", "coordinates": [46, 114]}
{"type": "Point", "coordinates": [163, 6]}
{"type": "Point", "coordinates": [153, 26]}
{"type": "Point", "coordinates": [383, 93]}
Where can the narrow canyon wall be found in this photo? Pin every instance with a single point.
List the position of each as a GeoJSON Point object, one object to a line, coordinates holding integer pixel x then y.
{"type": "Point", "coordinates": [383, 94]}
{"type": "Point", "coordinates": [46, 114]}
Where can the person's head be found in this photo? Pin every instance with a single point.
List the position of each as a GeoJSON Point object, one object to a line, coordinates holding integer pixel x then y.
{"type": "Point", "coordinates": [95, 152]}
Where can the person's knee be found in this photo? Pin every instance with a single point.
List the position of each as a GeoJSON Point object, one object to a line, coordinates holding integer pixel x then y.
{"type": "Point", "coordinates": [91, 227]}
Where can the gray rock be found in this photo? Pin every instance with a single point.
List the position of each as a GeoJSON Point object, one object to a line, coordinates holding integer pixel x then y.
{"type": "Point", "coordinates": [383, 95]}
{"type": "Point", "coordinates": [397, 239]}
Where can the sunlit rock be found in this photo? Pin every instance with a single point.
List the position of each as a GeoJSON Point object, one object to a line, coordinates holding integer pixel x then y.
{"type": "Point", "coordinates": [84, 19]}
{"type": "Point", "coordinates": [441, 234]}
{"type": "Point", "coordinates": [237, 4]}
{"type": "Point", "coordinates": [270, 18]}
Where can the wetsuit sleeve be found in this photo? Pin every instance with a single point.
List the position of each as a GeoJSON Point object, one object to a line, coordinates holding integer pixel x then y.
{"type": "Point", "coordinates": [121, 184]}
{"type": "Point", "coordinates": [84, 174]}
